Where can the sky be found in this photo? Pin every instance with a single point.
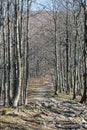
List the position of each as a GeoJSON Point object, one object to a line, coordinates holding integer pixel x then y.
{"type": "Point", "coordinates": [40, 4]}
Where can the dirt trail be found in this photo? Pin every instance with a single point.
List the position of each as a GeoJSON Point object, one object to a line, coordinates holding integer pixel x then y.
{"type": "Point", "coordinates": [42, 93]}
{"type": "Point", "coordinates": [46, 113]}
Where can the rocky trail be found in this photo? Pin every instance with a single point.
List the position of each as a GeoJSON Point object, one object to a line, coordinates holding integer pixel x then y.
{"type": "Point", "coordinates": [44, 112]}
{"type": "Point", "coordinates": [59, 115]}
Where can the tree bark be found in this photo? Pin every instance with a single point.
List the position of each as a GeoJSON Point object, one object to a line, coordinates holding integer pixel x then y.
{"type": "Point", "coordinates": [18, 51]}
{"type": "Point", "coordinates": [84, 97]}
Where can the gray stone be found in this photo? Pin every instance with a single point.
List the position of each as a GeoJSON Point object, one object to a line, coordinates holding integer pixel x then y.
{"type": "Point", "coordinates": [37, 115]}
{"type": "Point", "coordinates": [68, 113]}
{"type": "Point", "coordinates": [84, 125]}
{"type": "Point", "coordinates": [67, 125]}
{"type": "Point", "coordinates": [45, 104]}
{"type": "Point", "coordinates": [85, 117]}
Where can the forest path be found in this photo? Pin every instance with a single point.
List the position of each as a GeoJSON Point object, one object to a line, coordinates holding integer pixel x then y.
{"type": "Point", "coordinates": [42, 93]}
{"type": "Point", "coordinates": [45, 112]}
{"type": "Point", "coordinates": [58, 114]}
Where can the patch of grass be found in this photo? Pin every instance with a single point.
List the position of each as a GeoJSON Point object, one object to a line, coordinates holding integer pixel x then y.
{"type": "Point", "coordinates": [22, 119]}
{"type": "Point", "coordinates": [12, 119]}
{"type": "Point", "coordinates": [63, 96]}
{"type": "Point", "coordinates": [6, 111]}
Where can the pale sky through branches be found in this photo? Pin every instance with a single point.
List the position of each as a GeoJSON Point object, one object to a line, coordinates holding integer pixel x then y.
{"type": "Point", "coordinates": [40, 4]}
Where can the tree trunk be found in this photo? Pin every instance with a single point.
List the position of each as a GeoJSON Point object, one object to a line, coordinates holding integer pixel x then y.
{"type": "Point", "coordinates": [84, 97]}
{"type": "Point", "coordinates": [18, 86]}
{"type": "Point", "coordinates": [9, 65]}
{"type": "Point", "coordinates": [27, 53]}
{"type": "Point", "coordinates": [67, 46]}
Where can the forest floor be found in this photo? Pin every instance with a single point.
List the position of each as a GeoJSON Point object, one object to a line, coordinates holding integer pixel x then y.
{"type": "Point", "coordinates": [45, 112]}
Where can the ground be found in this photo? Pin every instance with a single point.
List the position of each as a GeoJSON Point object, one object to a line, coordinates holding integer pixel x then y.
{"type": "Point", "coordinates": [45, 112]}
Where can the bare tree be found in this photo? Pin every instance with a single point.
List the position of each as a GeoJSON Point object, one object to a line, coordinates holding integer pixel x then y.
{"type": "Point", "coordinates": [84, 97]}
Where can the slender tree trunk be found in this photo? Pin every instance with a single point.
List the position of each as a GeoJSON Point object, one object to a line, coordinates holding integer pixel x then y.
{"type": "Point", "coordinates": [84, 97]}
{"type": "Point", "coordinates": [20, 42]}
{"type": "Point", "coordinates": [67, 46]}
{"type": "Point", "coordinates": [18, 86]}
{"type": "Point", "coordinates": [9, 66]}
{"type": "Point", "coordinates": [3, 88]}
{"type": "Point", "coordinates": [4, 67]}
{"type": "Point", "coordinates": [27, 52]}
{"type": "Point", "coordinates": [14, 55]}
{"type": "Point", "coordinates": [75, 45]}
{"type": "Point", "coordinates": [56, 69]}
